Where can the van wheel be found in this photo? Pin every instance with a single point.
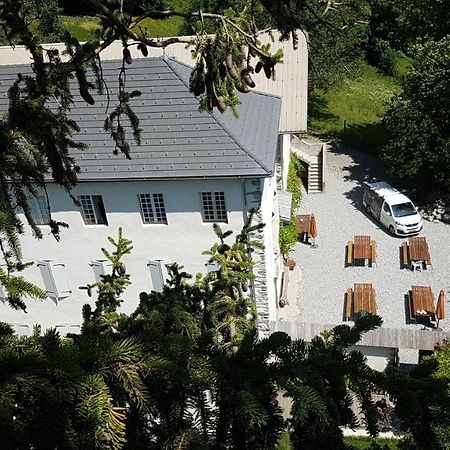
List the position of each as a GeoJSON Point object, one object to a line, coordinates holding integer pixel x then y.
{"type": "Point", "coordinates": [391, 230]}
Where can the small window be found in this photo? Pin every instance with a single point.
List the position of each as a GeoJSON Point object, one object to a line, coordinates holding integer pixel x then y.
{"type": "Point", "coordinates": [152, 208]}
{"type": "Point", "coordinates": [55, 280]}
{"type": "Point", "coordinates": [386, 208]}
{"type": "Point", "coordinates": [214, 208]}
{"type": "Point", "coordinates": [39, 209]}
{"type": "Point", "coordinates": [93, 210]}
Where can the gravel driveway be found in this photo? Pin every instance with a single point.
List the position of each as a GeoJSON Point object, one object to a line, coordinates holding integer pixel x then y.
{"type": "Point", "coordinates": [341, 216]}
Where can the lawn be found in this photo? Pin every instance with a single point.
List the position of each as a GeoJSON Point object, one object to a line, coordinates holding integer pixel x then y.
{"type": "Point", "coordinates": [353, 443]}
{"type": "Point", "coordinates": [84, 27]}
{"type": "Point", "coordinates": [353, 111]}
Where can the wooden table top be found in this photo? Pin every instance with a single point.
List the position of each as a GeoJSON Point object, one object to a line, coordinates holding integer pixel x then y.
{"type": "Point", "coordinates": [418, 249]}
{"type": "Point", "coordinates": [361, 247]}
{"type": "Point", "coordinates": [303, 223]}
{"type": "Point", "coordinates": [422, 300]}
{"type": "Point", "coordinates": [364, 298]}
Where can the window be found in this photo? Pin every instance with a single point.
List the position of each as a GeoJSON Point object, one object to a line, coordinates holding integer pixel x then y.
{"type": "Point", "coordinates": [55, 280]}
{"type": "Point", "coordinates": [93, 210]}
{"type": "Point", "coordinates": [214, 209]}
{"type": "Point", "coordinates": [152, 208]}
{"type": "Point", "coordinates": [39, 209]}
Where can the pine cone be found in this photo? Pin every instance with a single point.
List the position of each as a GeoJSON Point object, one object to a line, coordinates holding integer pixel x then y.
{"type": "Point", "coordinates": [247, 78]}
{"type": "Point", "coordinates": [86, 96]}
{"type": "Point", "coordinates": [231, 67]}
{"type": "Point", "coordinates": [243, 88]}
{"type": "Point", "coordinates": [259, 66]}
{"type": "Point", "coordinates": [268, 71]}
{"type": "Point", "coordinates": [127, 55]}
{"type": "Point", "coordinates": [143, 49]}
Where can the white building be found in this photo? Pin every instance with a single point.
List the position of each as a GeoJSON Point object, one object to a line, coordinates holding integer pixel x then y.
{"type": "Point", "coordinates": [192, 169]}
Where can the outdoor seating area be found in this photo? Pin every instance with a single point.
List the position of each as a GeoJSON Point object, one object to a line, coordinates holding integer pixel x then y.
{"type": "Point", "coordinates": [337, 263]}
{"type": "Point", "coordinates": [361, 251]}
{"type": "Point", "coordinates": [421, 305]}
{"type": "Point", "coordinates": [415, 253]}
{"type": "Point", "coordinates": [360, 300]}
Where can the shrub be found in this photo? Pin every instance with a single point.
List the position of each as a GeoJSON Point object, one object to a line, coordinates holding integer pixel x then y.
{"type": "Point", "coordinates": [288, 231]}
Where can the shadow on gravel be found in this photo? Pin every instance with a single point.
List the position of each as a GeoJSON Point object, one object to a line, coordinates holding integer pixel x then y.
{"type": "Point", "coordinates": [364, 168]}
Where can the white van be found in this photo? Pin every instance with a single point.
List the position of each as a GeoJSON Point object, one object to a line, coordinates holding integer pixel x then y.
{"type": "Point", "coordinates": [392, 208]}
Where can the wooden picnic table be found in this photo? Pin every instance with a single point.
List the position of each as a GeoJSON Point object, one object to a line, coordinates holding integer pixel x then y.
{"type": "Point", "coordinates": [362, 248]}
{"type": "Point", "coordinates": [418, 250]}
{"type": "Point", "coordinates": [421, 299]}
{"type": "Point", "coordinates": [360, 299]}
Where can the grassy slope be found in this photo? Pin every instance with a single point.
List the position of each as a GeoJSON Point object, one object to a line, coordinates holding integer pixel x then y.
{"type": "Point", "coordinates": [357, 105]}
{"type": "Point", "coordinates": [84, 27]}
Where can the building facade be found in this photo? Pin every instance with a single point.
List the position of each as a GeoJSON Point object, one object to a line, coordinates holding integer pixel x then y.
{"type": "Point", "coordinates": [192, 169]}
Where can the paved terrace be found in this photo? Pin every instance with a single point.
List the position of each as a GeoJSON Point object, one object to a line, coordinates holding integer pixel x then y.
{"type": "Point", "coordinates": [341, 216]}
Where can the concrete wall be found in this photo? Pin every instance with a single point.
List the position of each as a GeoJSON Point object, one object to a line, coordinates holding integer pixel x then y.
{"type": "Point", "coordinates": [377, 357]}
{"type": "Point", "coordinates": [291, 82]}
{"type": "Point", "coordinates": [182, 240]}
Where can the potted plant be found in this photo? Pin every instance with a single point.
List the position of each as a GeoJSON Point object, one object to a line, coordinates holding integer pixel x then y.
{"type": "Point", "coordinates": [291, 263]}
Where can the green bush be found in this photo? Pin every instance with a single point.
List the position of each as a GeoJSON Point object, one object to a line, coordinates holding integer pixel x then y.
{"type": "Point", "coordinates": [294, 184]}
{"type": "Point", "coordinates": [288, 231]}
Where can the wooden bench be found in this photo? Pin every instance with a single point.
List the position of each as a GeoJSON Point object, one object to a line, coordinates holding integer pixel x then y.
{"type": "Point", "coordinates": [405, 255]}
{"type": "Point", "coordinates": [412, 314]}
{"type": "Point", "coordinates": [373, 253]}
{"type": "Point", "coordinates": [349, 304]}
{"type": "Point", "coordinates": [349, 253]}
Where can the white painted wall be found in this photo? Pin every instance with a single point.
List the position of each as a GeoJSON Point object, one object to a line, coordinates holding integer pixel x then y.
{"type": "Point", "coordinates": [291, 82]}
{"type": "Point", "coordinates": [377, 357]}
{"type": "Point", "coordinates": [270, 216]}
{"type": "Point", "coordinates": [285, 149]}
{"type": "Point", "coordinates": [182, 240]}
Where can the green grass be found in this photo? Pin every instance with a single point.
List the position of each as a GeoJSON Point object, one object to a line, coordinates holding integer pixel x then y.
{"type": "Point", "coordinates": [368, 443]}
{"type": "Point", "coordinates": [84, 27]}
{"type": "Point", "coordinates": [353, 111]}
{"type": "Point", "coordinates": [353, 443]}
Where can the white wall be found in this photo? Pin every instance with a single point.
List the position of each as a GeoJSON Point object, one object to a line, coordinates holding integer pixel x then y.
{"type": "Point", "coordinates": [182, 240]}
{"type": "Point", "coordinates": [291, 82]}
{"type": "Point", "coordinates": [377, 357]}
{"type": "Point", "coordinates": [270, 216]}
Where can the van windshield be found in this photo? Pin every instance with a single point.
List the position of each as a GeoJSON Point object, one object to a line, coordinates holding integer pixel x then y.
{"type": "Point", "coordinates": [403, 209]}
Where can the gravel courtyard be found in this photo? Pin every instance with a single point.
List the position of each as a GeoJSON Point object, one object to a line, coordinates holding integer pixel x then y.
{"type": "Point", "coordinates": [340, 216]}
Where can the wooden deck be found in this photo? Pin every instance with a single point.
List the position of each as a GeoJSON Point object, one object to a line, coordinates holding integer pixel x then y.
{"type": "Point", "coordinates": [404, 338]}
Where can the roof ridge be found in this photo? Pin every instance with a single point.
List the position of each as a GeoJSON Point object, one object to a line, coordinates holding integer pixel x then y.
{"type": "Point", "coordinates": [219, 122]}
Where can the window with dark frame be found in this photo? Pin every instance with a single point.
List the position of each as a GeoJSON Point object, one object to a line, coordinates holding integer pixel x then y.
{"type": "Point", "coordinates": [152, 208]}
{"type": "Point", "coordinates": [93, 210]}
{"type": "Point", "coordinates": [214, 207]}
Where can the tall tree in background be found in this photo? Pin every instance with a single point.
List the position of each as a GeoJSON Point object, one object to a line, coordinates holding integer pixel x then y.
{"type": "Point", "coordinates": [418, 151]}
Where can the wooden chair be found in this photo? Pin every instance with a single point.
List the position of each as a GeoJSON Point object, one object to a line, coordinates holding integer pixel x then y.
{"type": "Point", "coordinates": [349, 253]}
{"type": "Point", "coordinates": [373, 252]}
{"type": "Point", "coordinates": [405, 255]}
{"type": "Point", "coordinates": [349, 304]}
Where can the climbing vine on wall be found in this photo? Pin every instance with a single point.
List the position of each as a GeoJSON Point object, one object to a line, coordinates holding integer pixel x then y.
{"type": "Point", "coordinates": [288, 232]}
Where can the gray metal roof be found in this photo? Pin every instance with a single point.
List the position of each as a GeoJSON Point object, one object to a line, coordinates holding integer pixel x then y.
{"type": "Point", "coordinates": [178, 141]}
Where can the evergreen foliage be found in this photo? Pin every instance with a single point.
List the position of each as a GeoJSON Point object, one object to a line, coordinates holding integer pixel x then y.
{"type": "Point", "coordinates": [418, 151]}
